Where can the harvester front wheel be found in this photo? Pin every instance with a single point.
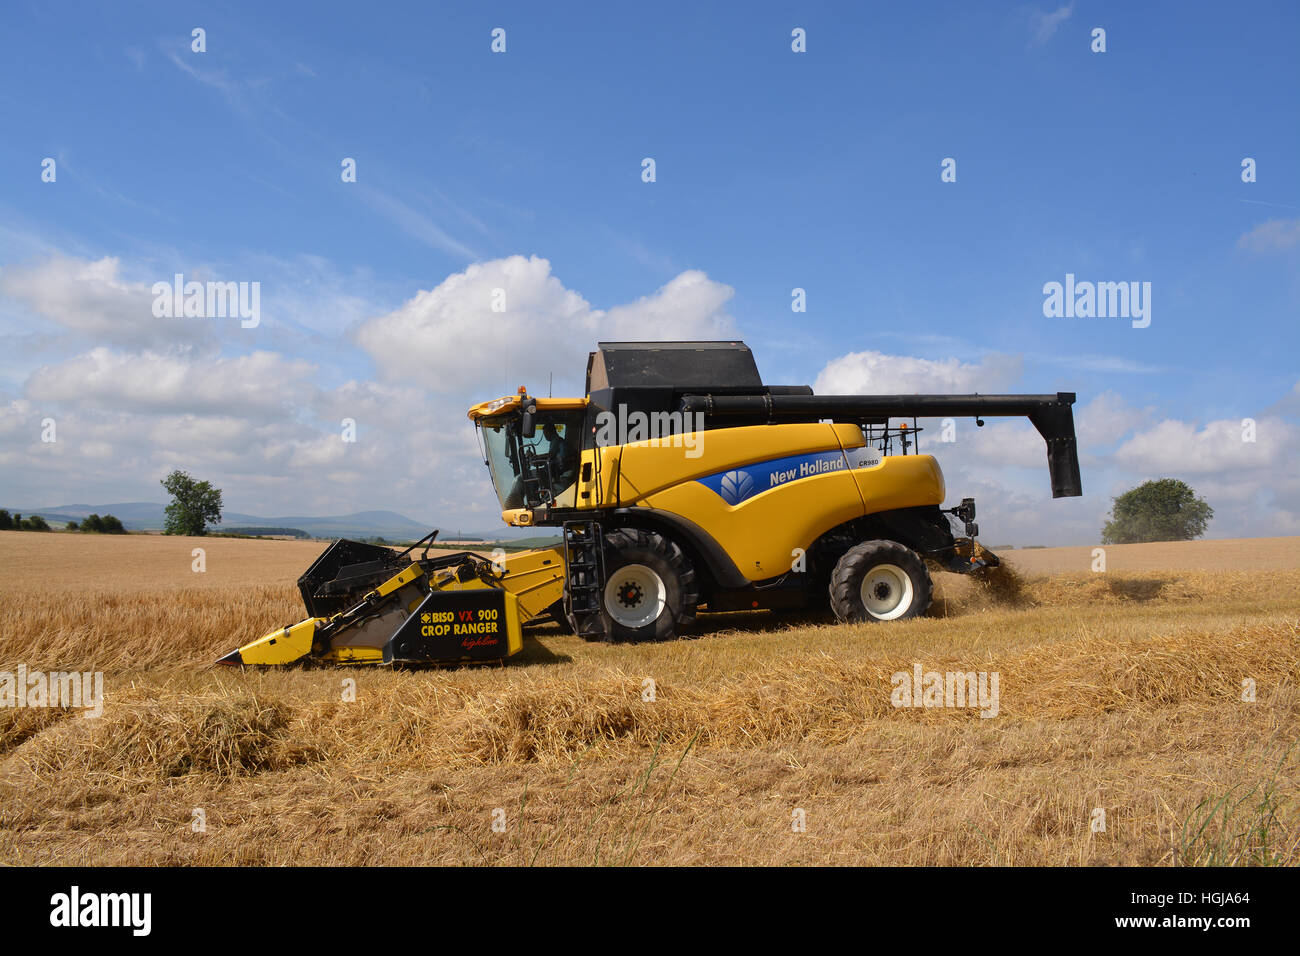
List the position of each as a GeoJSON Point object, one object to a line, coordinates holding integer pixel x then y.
{"type": "Point", "coordinates": [650, 587]}
{"type": "Point", "coordinates": [880, 581]}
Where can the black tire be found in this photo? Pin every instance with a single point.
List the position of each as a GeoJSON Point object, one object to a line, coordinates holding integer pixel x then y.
{"type": "Point", "coordinates": [633, 550]}
{"type": "Point", "coordinates": [881, 562]}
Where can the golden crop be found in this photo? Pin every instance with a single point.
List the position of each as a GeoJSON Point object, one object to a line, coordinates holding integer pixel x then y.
{"type": "Point", "coordinates": [1120, 691]}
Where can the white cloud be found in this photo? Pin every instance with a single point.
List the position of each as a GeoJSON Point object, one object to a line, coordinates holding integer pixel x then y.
{"type": "Point", "coordinates": [1107, 419]}
{"type": "Point", "coordinates": [1271, 236]}
{"type": "Point", "coordinates": [1253, 487]}
{"type": "Point", "coordinates": [875, 373]}
{"type": "Point", "coordinates": [130, 404]}
{"type": "Point", "coordinates": [1177, 448]}
{"type": "Point", "coordinates": [259, 383]}
{"type": "Point", "coordinates": [266, 427]}
{"type": "Point", "coordinates": [449, 338]}
{"type": "Point", "coordinates": [92, 299]}
{"type": "Point", "coordinates": [1006, 453]}
{"type": "Point", "coordinates": [17, 416]}
{"type": "Point", "coordinates": [1044, 25]}
{"type": "Point", "coordinates": [691, 306]}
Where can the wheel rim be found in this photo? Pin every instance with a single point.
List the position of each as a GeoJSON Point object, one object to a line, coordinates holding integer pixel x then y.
{"type": "Point", "coordinates": [886, 591]}
{"type": "Point", "coordinates": [635, 595]}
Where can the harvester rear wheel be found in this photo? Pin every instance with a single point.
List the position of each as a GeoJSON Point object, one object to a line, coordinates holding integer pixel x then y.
{"type": "Point", "coordinates": [650, 587]}
{"type": "Point", "coordinates": [880, 581]}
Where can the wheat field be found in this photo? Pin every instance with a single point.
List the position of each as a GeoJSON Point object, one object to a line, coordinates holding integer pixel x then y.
{"type": "Point", "coordinates": [768, 741]}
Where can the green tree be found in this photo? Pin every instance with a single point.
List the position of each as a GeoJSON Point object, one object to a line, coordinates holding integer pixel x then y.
{"type": "Point", "coordinates": [195, 505]}
{"type": "Point", "coordinates": [6, 520]}
{"type": "Point", "coordinates": [72, 526]}
{"type": "Point", "coordinates": [1163, 510]}
{"type": "Point", "coordinates": [108, 524]}
{"type": "Point", "coordinates": [35, 523]}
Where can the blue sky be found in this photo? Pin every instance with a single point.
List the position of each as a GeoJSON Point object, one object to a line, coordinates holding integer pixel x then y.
{"type": "Point", "coordinates": [774, 170]}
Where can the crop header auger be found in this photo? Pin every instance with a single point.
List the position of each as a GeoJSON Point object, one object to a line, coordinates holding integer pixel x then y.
{"type": "Point", "coordinates": [679, 483]}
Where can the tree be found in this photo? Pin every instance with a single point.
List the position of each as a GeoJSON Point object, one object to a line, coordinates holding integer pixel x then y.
{"type": "Point", "coordinates": [105, 525]}
{"type": "Point", "coordinates": [1162, 510]}
{"type": "Point", "coordinates": [35, 523]}
{"type": "Point", "coordinates": [72, 526]}
{"type": "Point", "coordinates": [194, 505]}
{"type": "Point", "coordinates": [6, 520]}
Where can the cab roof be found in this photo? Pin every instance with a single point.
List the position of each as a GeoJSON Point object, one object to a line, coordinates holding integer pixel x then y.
{"type": "Point", "coordinates": [510, 403]}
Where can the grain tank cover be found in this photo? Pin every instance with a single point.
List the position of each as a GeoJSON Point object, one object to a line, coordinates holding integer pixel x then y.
{"type": "Point", "coordinates": [683, 366]}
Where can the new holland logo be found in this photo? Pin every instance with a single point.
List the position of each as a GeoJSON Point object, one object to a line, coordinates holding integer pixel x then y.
{"type": "Point", "coordinates": [740, 484]}
{"type": "Point", "coordinates": [736, 486]}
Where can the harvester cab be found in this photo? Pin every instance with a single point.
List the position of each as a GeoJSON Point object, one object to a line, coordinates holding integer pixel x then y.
{"type": "Point", "coordinates": [532, 448]}
{"type": "Point", "coordinates": [679, 483]}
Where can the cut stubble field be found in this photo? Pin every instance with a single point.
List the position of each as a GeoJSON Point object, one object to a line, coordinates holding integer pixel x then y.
{"type": "Point", "coordinates": [1120, 692]}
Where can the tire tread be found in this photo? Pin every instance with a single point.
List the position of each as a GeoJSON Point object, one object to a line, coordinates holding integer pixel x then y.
{"type": "Point", "coordinates": [637, 539]}
{"type": "Point", "coordinates": [845, 586]}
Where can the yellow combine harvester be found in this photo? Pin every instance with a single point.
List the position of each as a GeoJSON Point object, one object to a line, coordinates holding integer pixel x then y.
{"type": "Point", "coordinates": [680, 482]}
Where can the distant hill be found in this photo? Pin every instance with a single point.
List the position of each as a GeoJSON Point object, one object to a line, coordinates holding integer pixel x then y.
{"type": "Point", "coordinates": [148, 516]}
{"type": "Point", "coordinates": [262, 531]}
{"type": "Point", "coordinates": [131, 513]}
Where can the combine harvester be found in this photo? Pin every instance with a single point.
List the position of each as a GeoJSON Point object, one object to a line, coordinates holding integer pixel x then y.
{"type": "Point", "coordinates": [680, 482]}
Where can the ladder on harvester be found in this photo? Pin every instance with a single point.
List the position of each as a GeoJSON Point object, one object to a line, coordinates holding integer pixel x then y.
{"type": "Point", "coordinates": [584, 578]}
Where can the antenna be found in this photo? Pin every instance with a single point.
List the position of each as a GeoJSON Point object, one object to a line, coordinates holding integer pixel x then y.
{"type": "Point", "coordinates": [550, 378]}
